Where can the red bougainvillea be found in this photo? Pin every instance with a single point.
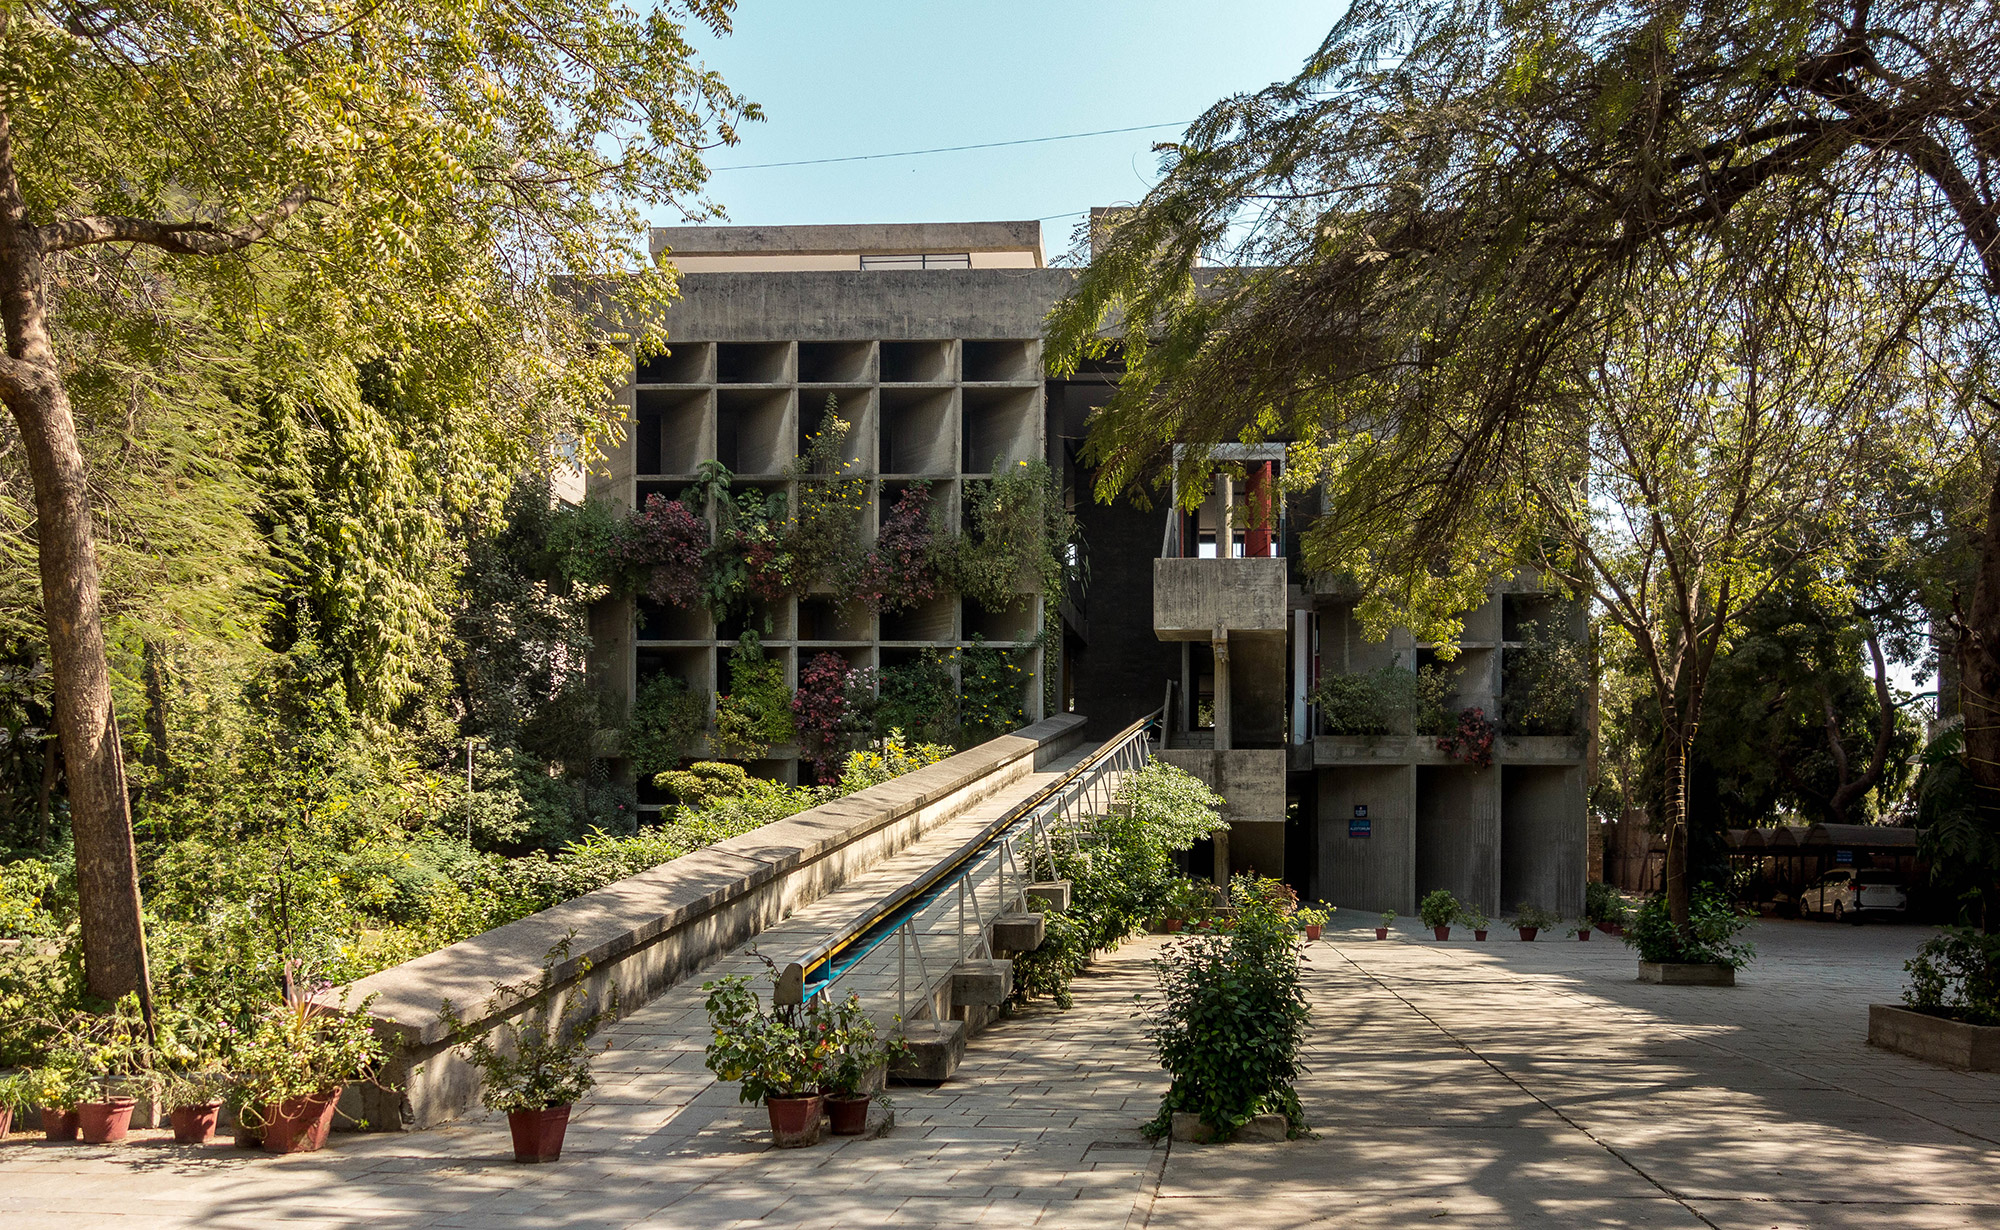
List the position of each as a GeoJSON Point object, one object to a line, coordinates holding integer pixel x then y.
{"type": "Point", "coordinates": [666, 540]}
{"type": "Point", "coordinates": [899, 572]}
{"type": "Point", "coordinates": [1472, 742]}
{"type": "Point", "coordinates": [820, 711]}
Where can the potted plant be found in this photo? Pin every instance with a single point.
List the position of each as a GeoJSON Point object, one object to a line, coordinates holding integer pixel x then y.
{"type": "Point", "coordinates": [298, 1058]}
{"type": "Point", "coordinates": [193, 1098]}
{"type": "Point", "coordinates": [1704, 952]}
{"type": "Point", "coordinates": [1475, 918]}
{"type": "Point", "coordinates": [17, 1094]}
{"type": "Point", "coordinates": [548, 1069]}
{"type": "Point", "coordinates": [1582, 930]}
{"type": "Point", "coordinates": [58, 1088]}
{"type": "Point", "coordinates": [1437, 909]}
{"type": "Point", "coordinates": [1605, 906]}
{"type": "Point", "coordinates": [1388, 920]}
{"type": "Point", "coordinates": [855, 1057]}
{"type": "Point", "coordinates": [1311, 918]}
{"type": "Point", "coordinates": [1531, 919]}
{"type": "Point", "coordinates": [780, 1056]}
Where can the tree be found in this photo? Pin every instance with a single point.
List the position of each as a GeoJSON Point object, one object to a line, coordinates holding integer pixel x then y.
{"type": "Point", "coordinates": [332, 179]}
{"type": "Point", "coordinates": [1437, 223]}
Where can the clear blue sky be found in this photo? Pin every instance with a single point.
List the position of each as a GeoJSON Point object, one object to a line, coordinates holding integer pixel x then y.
{"type": "Point", "coordinates": [879, 76]}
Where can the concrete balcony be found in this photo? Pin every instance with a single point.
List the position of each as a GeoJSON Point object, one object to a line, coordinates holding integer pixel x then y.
{"type": "Point", "coordinates": [1194, 597]}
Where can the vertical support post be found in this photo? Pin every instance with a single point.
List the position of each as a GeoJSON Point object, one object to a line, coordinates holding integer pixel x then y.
{"type": "Point", "coordinates": [903, 971]}
{"type": "Point", "coordinates": [961, 918]}
{"type": "Point", "coordinates": [1225, 516]}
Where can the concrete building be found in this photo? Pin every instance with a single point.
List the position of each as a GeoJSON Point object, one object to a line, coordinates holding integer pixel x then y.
{"type": "Point", "coordinates": [929, 336]}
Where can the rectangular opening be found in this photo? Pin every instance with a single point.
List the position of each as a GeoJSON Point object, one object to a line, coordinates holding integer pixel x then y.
{"type": "Point", "coordinates": [672, 435]}
{"type": "Point", "coordinates": [753, 362]}
{"type": "Point", "coordinates": [831, 619]}
{"type": "Point", "coordinates": [1517, 610]}
{"type": "Point", "coordinates": [665, 490]}
{"type": "Point", "coordinates": [1458, 834]}
{"type": "Point", "coordinates": [916, 362]}
{"type": "Point", "coordinates": [753, 431]}
{"type": "Point", "coordinates": [771, 621]}
{"type": "Point", "coordinates": [852, 407]}
{"type": "Point", "coordinates": [916, 433]}
{"type": "Point", "coordinates": [987, 362]}
{"type": "Point", "coordinates": [999, 427]}
{"type": "Point", "coordinates": [835, 362]}
{"type": "Point", "coordinates": [1014, 625]}
{"type": "Point", "coordinates": [932, 621]}
{"type": "Point", "coordinates": [1542, 847]}
{"type": "Point", "coordinates": [661, 621]}
{"type": "Point", "coordinates": [684, 363]}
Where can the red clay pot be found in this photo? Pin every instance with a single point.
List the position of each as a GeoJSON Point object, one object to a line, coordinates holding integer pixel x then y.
{"type": "Point", "coordinates": [58, 1124]}
{"type": "Point", "coordinates": [849, 1115]}
{"type": "Point", "coordinates": [1583, 933]}
{"type": "Point", "coordinates": [1381, 933]}
{"type": "Point", "coordinates": [1528, 933]}
{"type": "Point", "coordinates": [1312, 931]}
{"type": "Point", "coordinates": [194, 1125]}
{"type": "Point", "coordinates": [793, 1119]}
{"type": "Point", "coordinates": [1480, 936]}
{"type": "Point", "coordinates": [1443, 933]}
{"type": "Point", "coordinates": [301, 1124]}
{"type": "Point", "coordinates": [538, 1134]}
{"type": "Point", "coordinates": [1174, 924]}
{"type": "Point", "coordinates": [106, 1122]}
{"type": "Point", "coordinates": [6, 1121]}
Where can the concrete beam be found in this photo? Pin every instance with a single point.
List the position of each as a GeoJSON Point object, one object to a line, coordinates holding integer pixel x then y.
{"type": "Point", "coordinates": [936, 1048]}
{"type": "Point", "coordinates": [985, 984]}
{"type": "Point", "coordinates": [1018, 932]}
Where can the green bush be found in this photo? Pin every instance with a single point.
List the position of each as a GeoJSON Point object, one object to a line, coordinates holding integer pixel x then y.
{"type": "Point", "coordinates": [1603, 904]}
{"type": "Point", "coordinates": [919, 698]}
{"type": "Point", "coordinates": [1708, 939]}
{"type": "Point", "coordinates": [756, 713]}
{"type": "Point", "coordinates": [1957, 975]}
{"type": "Point", "coordinates": [1230, 1018]}
{"type": "Point", "coordinates": [1375, 703]}
{"type": "Point", "coordinates": [667, 719]}
{"type": "Point", "coordinates": [1439, 908]}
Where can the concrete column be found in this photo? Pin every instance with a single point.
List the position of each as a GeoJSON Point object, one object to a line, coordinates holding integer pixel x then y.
{"type": "Point", "coordinates": [1225, 516]}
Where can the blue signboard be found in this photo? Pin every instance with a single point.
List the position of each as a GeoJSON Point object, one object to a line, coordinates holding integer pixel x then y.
{"type": "Point", "coordinates": [1358, 828]}
{"type": "Point", "coordinates": [1843, 856]}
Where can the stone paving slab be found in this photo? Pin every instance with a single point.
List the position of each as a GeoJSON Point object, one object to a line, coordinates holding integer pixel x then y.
{"type": "Point", "coordinates": [1495, 1085]}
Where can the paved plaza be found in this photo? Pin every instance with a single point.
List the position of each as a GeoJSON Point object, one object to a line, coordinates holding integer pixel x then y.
{"type": "Point", "coordinates": [1480, 1085]}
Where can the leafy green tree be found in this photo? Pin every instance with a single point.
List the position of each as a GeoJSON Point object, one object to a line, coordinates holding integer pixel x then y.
{"type": "Point", "coordinates": [1464, 232]}
{"type": "Point", "coordinates": [330, 178]}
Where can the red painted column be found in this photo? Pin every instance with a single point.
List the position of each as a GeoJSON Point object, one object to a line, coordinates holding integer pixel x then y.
{"type": "Point", "coordinates": [1257, 496]}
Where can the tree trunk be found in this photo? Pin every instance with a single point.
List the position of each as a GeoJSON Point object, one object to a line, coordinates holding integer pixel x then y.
{"type": "Point", "coordinates": [1676, 871]}
{"type": "Point", "coordinates": [1979, 670]}
{"type": "Point", "coordinates": [107, 871]}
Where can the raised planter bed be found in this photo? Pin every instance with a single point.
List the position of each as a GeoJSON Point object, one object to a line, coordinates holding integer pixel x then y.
{"type": "Point", "coordinates": [1936, 1038]}
{"type": "Point", "coordinates": [1261, 1130]}
{"type": "Point", "coordinates": [1674, 974]}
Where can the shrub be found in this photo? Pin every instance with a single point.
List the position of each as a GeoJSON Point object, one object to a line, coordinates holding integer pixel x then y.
{"type": "Point", "coordinates": [824, 536]}
{"type": "Point", "coordinates": [549, 1063]}
{"type": "Point", "coordinates": [1375, 703]}
{"type": "Point", "coordinates": [1603, 904]}
{"type": "Point", "coordinates": [777, 1053]}
{"type": "Point", "coordinates": [664, 545]}
{"type": "Point", "coordinates": [901, 569]}
{"type": "Point", "coordinates": [756, 713]}
{"type": "Point", "coordinates": [1016, 523]}
{"type": "Point", "coordinates": [1229, 1021]}
{"type": "Point", "coordinates": [1547, 676]}
{"type": "Point", "coordinates": [1957, 975]}
{"type": "Point", "coordinates": [1708, 939]}
{"type": "Point", "coordinates": [991, 684]}
{"type": "Point", "coordinates": [920, 698]}
{"type": "Point", "coordinates": [823, 710]}
{"type": "Point", "coordinates": [888, 760]}
{"type": "Point", "coordinates": [1472, 741]}
{"type": "Point", "coordinates": [1439, 908]}
{"type": "Point", "coordinates": [667, 720]}
{"type": "Point", "coordinates": [1535, 918]}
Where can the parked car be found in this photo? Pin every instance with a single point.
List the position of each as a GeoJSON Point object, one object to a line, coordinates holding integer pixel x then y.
{"type": "Point", "coordinates": [1850, 894]}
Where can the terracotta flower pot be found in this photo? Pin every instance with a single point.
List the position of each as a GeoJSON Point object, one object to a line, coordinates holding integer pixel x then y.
{"type": "Point", "coordinates": [1381, 933]}
{"type": "Point", "coordinates": [106, 1122]}
{"type": "Point", "coordinates": [58, 1124]}
{"type": "Point", "coordinates": [1583, 933]}
{"type": "Point", "coordinates": [1480, 936]}
{"type": "Point", "coordinates": [194, 1125]}
{"type": "Point", "coordinates": [1443, 933]}
{"type": "Point", "coordinates": [6, 1121]}
{"type": "Point", "coordinates": [849, 1115]}
{"type": "Point", "coordinates": [1528, 933]}
{"type": "Point", "coordinates": [300, 1124]}
{"type": "Point", "coordinates": [538, 1134]}
{"type": "Point", "coordinates": [1175, 924]}
{"type": "Point", "coordinates": [1312, 931]}
{"type": "Point", "coordinates": [794, 1120]}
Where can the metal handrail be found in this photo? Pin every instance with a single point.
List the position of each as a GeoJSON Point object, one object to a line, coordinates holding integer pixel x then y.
{"type": "Point", "coordinates": [893, 914]}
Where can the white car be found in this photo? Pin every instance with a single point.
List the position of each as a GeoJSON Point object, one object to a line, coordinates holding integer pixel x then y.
{"type": "Point", "coordinates": [1847, 893]}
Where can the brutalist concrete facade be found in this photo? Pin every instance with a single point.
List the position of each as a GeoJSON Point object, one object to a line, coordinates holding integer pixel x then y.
{"type": "Point", "coordinates": [930, 337]}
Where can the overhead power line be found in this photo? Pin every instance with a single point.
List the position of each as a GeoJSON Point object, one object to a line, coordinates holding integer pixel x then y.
{"type": "Point", "coordinates": [949, 149]}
